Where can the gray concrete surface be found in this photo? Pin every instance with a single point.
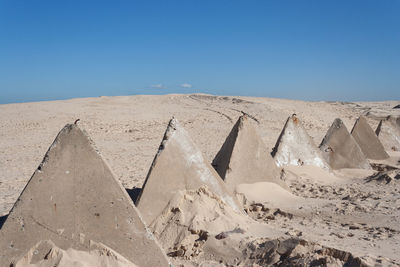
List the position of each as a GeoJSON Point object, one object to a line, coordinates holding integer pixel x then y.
{"type": "Point", "coordinates": [295, 147]}
{"type": "Point", "coordinates": [244, 158]}
{"type": "Point", "coordinates": [367, 140]}
{"type": "Point", "coordinates": [178, 165]}
{"type": "Point", "coordinates": [388, 132]}
{"type": "Point", "coordinates": [340, 149]}
{"type": "Point", "coordinates": [73, 199]}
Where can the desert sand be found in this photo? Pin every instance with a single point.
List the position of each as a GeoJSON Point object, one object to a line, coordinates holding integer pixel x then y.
{"type": "Point", "coordinates": [313, 216]}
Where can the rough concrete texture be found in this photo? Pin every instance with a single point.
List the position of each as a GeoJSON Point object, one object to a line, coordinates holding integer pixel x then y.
{"type": "Point", "coordinates": [47, 254]}
{"type": "Point", "coordinates": [244, 158]}
{"type": "Point", "coordinates": [178, 165]}
{"type": "Point", "coordinates": [73, 199]}
{"type": "Point", "coordinates": [295, 147]}
{"type": "Point", "coordinates": [388, 132]}
{"type": "Point", "coordinates": [367, 140]}
{"type": "Point", "coordinates": [340, 149]}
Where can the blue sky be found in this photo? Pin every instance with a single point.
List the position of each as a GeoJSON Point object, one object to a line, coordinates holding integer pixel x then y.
{"type": "Point", "coordinates": [310, 50]}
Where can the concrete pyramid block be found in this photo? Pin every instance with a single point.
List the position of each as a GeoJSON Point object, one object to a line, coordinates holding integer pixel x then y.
{"type": "Point", "coordinates": [367, 140]}
{"type": "Point", "coordinates": [388, 132]}
{"type": "Point", "coordinates": [340, 149]}
{"type": "Point", "coordinates": [244, 158]}
{"type": "Point", "coordinates": [73, 199]}
{"type": "Point", "coordinates": [295, 147]}
{"type": "Point", "coordinates": [178, 165]}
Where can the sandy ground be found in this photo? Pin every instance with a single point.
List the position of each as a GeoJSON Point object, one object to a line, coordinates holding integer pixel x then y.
{"type": "Point", "coordinates": [339, 209]}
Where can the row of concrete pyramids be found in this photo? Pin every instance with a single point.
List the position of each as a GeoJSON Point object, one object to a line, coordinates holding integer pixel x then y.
{"type": "Point", "coordinates": [73, 197]}
{"type": "Point", "coordinates": [339, 148]}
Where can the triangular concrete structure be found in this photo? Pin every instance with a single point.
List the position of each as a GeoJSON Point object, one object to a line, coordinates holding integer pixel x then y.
{"type": "Point", "coordinates": [388, 132]}
{"type": "Point", "coordinates": [340, 149]}
{"type": "Point", "coordinates": [295, 147]}
{"type": "Point", "coordinates": [178, 165]}
{"type": "Point", "coordinates": [367, 140]}
{"type": "Point", "coordinates": [244, 158]}
{"type": "Point", "coordinates": [73, 199]}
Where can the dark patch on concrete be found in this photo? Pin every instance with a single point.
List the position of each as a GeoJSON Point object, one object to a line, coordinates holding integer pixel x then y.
{"type": "Point", "coordinates": [134, 193]}
{"type": "Point", "coordinates": [2, 220]}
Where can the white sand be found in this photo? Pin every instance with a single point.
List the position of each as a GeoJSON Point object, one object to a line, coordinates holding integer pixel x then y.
{"type": "Point", "coordinates": [337, 209]}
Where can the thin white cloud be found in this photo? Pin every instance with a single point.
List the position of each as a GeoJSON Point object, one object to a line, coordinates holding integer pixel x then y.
{"type": "Point", "coordinates": [186, 85]}
{"type": "Point", "coordinates": [158, 86]}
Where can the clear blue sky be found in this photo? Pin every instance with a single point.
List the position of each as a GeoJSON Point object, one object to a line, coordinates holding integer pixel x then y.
{"type": "Point", "coordinates": [311, 50]}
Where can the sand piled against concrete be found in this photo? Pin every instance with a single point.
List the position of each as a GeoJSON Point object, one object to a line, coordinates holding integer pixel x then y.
{"type": "Point", "coordinates": [244, 158]}
{"type": "Point", "coordinates": [295, 147]}
{"type": "Point", "coordinates": [192, 217]}
{"type": "Point", "coordinates": [388, 132]}
{"type": "Point", "coordinates": [47, 254]}
{"type": "Point", "coordinates": [73, 199]}
{"type": "Point", "coordinates": [178, 165]}
{"type": "Point", "coordinates": [340, 149]}
{"type": "Point", "coordinates": [269, 193]}
{"type": "Point", "coordinates": [367, 140]}
{"type": "Point", "coordinates": [198, 229]}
